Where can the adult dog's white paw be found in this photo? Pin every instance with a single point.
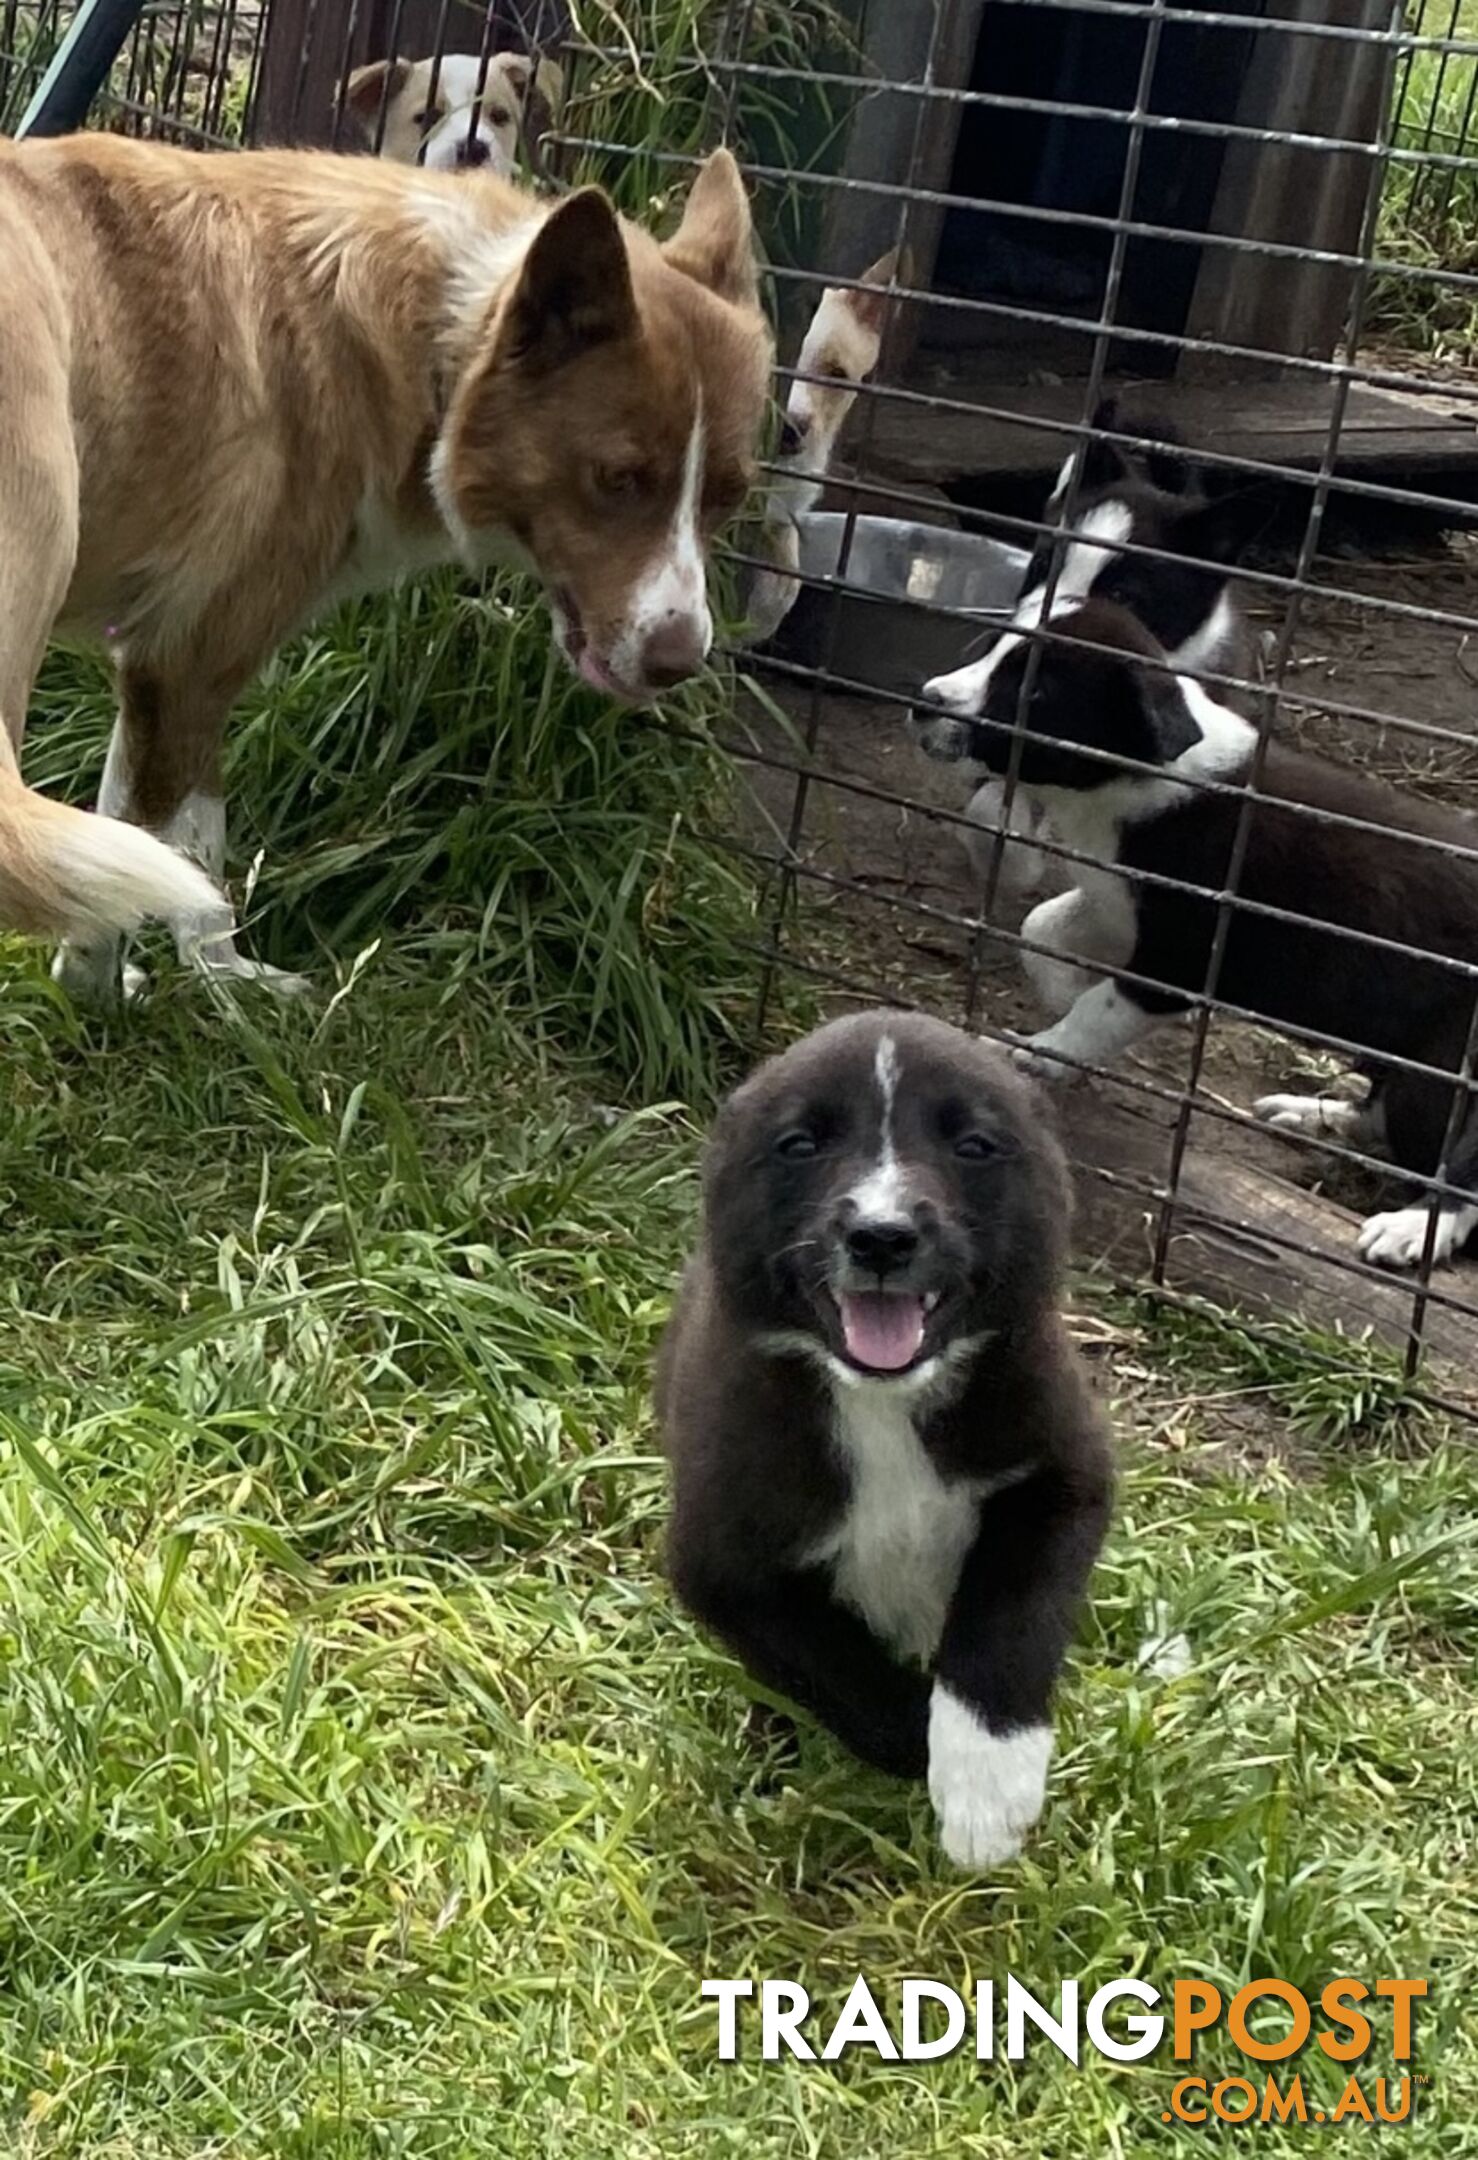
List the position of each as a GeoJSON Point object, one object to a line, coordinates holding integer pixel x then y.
{"type": "Point", "coordinates": [987, 1788]}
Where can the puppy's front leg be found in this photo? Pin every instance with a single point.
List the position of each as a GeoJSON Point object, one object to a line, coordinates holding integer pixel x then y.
{"type": "Point", "coordinates": [990, 1732]}
{"type": "Point", "coordinates": [790, 1632]}
{"type": "Point", "coordinates": [1095, 1027]}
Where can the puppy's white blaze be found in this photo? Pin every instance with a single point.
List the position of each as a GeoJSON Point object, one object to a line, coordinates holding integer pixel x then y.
{"type": "Point", "coordinates": [1109, 523]}
{"type": "Point", "coordinates": [1059, 485]}
{"type": "Point", "coordinates": [1209, 644]}
{"type": "Point", "coordinates": [1106, 525]}
{"type": "Point", "coordinates": [1227, 740]}
{"type": "Point", "coordinates": [1399, 1239]}
{"type": "Point", "coordinates": [884, 1189]}
{"type": "Point", "coordinates": [987, 1788]}
{"type": "Point", "coordinates": [964, 690]}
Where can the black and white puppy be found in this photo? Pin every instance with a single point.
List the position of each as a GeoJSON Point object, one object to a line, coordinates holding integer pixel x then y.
{"type": "Point", "coordinates": [889, 1480]}
{"type": "Point", "coordinates": [1143, 499]}
{"type": "Point", "coordinates": [1102, 686]}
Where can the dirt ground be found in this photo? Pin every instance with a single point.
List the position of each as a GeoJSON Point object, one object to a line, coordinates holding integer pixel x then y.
{"type": "Point", "coordinates": [901, 919]}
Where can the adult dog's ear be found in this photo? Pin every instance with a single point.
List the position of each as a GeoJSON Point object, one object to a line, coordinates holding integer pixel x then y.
{"type": "Point", "coordinates": [574, 290]}
{"type": "Point", "coordinates": [370, 89]}
{"type": "Point", "coordinates": [714, 244]}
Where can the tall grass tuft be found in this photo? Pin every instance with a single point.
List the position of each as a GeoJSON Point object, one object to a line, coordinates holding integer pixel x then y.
{"type": "Point", "coordinates": [425, 764]}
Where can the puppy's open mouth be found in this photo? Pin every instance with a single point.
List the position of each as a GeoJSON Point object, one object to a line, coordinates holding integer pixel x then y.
{"type": "Point", "coordinates": [884, 1330]}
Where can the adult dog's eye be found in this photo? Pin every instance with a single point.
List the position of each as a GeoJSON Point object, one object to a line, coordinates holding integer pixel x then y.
{"type": "Point", "coordinates": [796, 1146]}
{"type": "Point", "coordinates": [618, 483]}
{"type": "Point", "coordinates": [975, 1146]}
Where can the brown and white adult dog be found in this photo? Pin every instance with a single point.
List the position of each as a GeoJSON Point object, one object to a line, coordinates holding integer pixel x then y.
{"type": "Point", "coordinates": [235, 387]}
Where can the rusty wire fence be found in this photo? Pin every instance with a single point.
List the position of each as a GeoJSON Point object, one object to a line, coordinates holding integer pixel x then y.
{"type": "Point", "coordinates": [1241, 240]}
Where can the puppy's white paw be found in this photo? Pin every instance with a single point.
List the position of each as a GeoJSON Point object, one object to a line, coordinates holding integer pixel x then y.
{"type": "Point", "coordinates": [1290, 1113]}
{"type": "Point", "coordinates": [987, 1788]}
{"type": "Point", "coordinates": [1398, 1239]}
{"type": "Point", "coordinates": [1026, 1058]}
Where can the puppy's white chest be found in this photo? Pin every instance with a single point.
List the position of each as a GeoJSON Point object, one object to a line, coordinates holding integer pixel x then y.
{"type": "Point", "coordinates": [898, 1547]}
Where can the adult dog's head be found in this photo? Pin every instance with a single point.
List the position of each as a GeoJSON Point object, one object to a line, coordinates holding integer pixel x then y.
{"type": "Point", "coordinates": [885, 1194]}
{"type": "Point", "coordinates": [608, 417]}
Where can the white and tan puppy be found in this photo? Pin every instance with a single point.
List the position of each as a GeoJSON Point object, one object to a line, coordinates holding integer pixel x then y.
{"type": "Point", "coordinates": [234, 387]}
{"type": "Point", "coordinates": [841, 347]}
{"type": "Point", "coordinates": [451, 113]}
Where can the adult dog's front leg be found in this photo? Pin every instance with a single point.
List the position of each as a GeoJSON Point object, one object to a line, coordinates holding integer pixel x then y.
{"type": "Point", "coordinates": [990, 1731]}
{"type": "Point", "coordinates": [163, 772]}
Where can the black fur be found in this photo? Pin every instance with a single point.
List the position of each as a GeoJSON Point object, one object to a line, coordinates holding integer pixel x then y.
{"type": "Point", "coordinates": [1308, 975]}
{"type": "Point", "coordinates": [1173, 510]}
{"type": "Point", "coordinates": [758, 1482]}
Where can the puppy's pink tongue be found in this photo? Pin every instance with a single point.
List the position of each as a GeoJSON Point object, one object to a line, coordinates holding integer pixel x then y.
{"type": "Point", "coordinates": [884, 1333]}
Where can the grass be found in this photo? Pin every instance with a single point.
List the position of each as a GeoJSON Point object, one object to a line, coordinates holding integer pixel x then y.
{"type": "Point", "coordinates": [1429, 213]}
{"type": "Point", "coordinates": [361, 1794]}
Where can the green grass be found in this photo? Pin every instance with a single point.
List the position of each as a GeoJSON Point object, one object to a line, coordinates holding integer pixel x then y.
{"type": "Point", "coordinates": [361, 1794]}
{"type": "Point", "coordinates": [1429, 213]}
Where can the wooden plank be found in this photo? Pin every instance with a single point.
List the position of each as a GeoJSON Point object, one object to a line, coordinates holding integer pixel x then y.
{"type": "Point", "coordinates": [1425, 438]}
{"type": "Point", "coordinates": [1235, 1230]}
{"type": "Point", "coordinates": [1279, 192]}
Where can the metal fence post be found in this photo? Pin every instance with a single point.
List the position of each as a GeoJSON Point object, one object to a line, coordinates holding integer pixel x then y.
{"type": "Point", "coordinates": [79, 66]}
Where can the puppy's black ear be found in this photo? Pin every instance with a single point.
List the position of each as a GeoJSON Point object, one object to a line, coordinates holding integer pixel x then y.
{"type": "Point", "coordinates": [1222, 531]}
{"type": "Point", "coordinates": [1174, 729]}
{"type": "Point", "coordinates": [1104, 463]}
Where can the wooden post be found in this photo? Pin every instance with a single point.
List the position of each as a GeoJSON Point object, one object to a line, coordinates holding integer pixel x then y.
{"type": "Point", "coordinates": [881, 140]}
{"type": "Point", "coordinates": [1300, 198]}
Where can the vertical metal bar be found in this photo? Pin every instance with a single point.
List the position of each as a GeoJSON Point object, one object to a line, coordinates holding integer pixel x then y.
{"type": "Point", "coordinates": [1308, 550]}
{"type": "Point", "coordinates": [1092, 392]}
{"type": "Point", "coordinates": [786, 883]}
{"type": "Point", "coordinates": [79, 67]}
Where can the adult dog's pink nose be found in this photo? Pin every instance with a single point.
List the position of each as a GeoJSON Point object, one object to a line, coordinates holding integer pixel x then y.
{"type": "Point", "coordinates": [676, 649]}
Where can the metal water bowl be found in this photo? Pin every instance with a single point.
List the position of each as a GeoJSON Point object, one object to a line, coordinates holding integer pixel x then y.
{"type": "Point", "coordinates": [912, 600]}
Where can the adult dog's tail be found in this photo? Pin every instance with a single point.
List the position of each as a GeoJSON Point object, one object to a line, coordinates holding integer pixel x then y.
{"type": "Point", "coordinates": [68, 873]}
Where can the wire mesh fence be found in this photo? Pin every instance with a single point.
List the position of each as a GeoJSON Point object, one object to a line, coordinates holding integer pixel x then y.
{"type": "Point", "coordinates": [1091, 311]}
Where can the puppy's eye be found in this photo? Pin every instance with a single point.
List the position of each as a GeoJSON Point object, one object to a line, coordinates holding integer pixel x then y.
{"type": "Point", "coordinates": [498, 117]}
{"type": "Point", "coordinates": [425, 119]}
{"type": "Point", "coordinates": [796, 1146]}
{"type": "Point", "coordinates": [975, 1147]}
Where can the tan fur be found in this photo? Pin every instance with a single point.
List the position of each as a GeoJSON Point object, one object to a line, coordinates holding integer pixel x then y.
{"type": "Point", "coordinates": [234, 386]}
